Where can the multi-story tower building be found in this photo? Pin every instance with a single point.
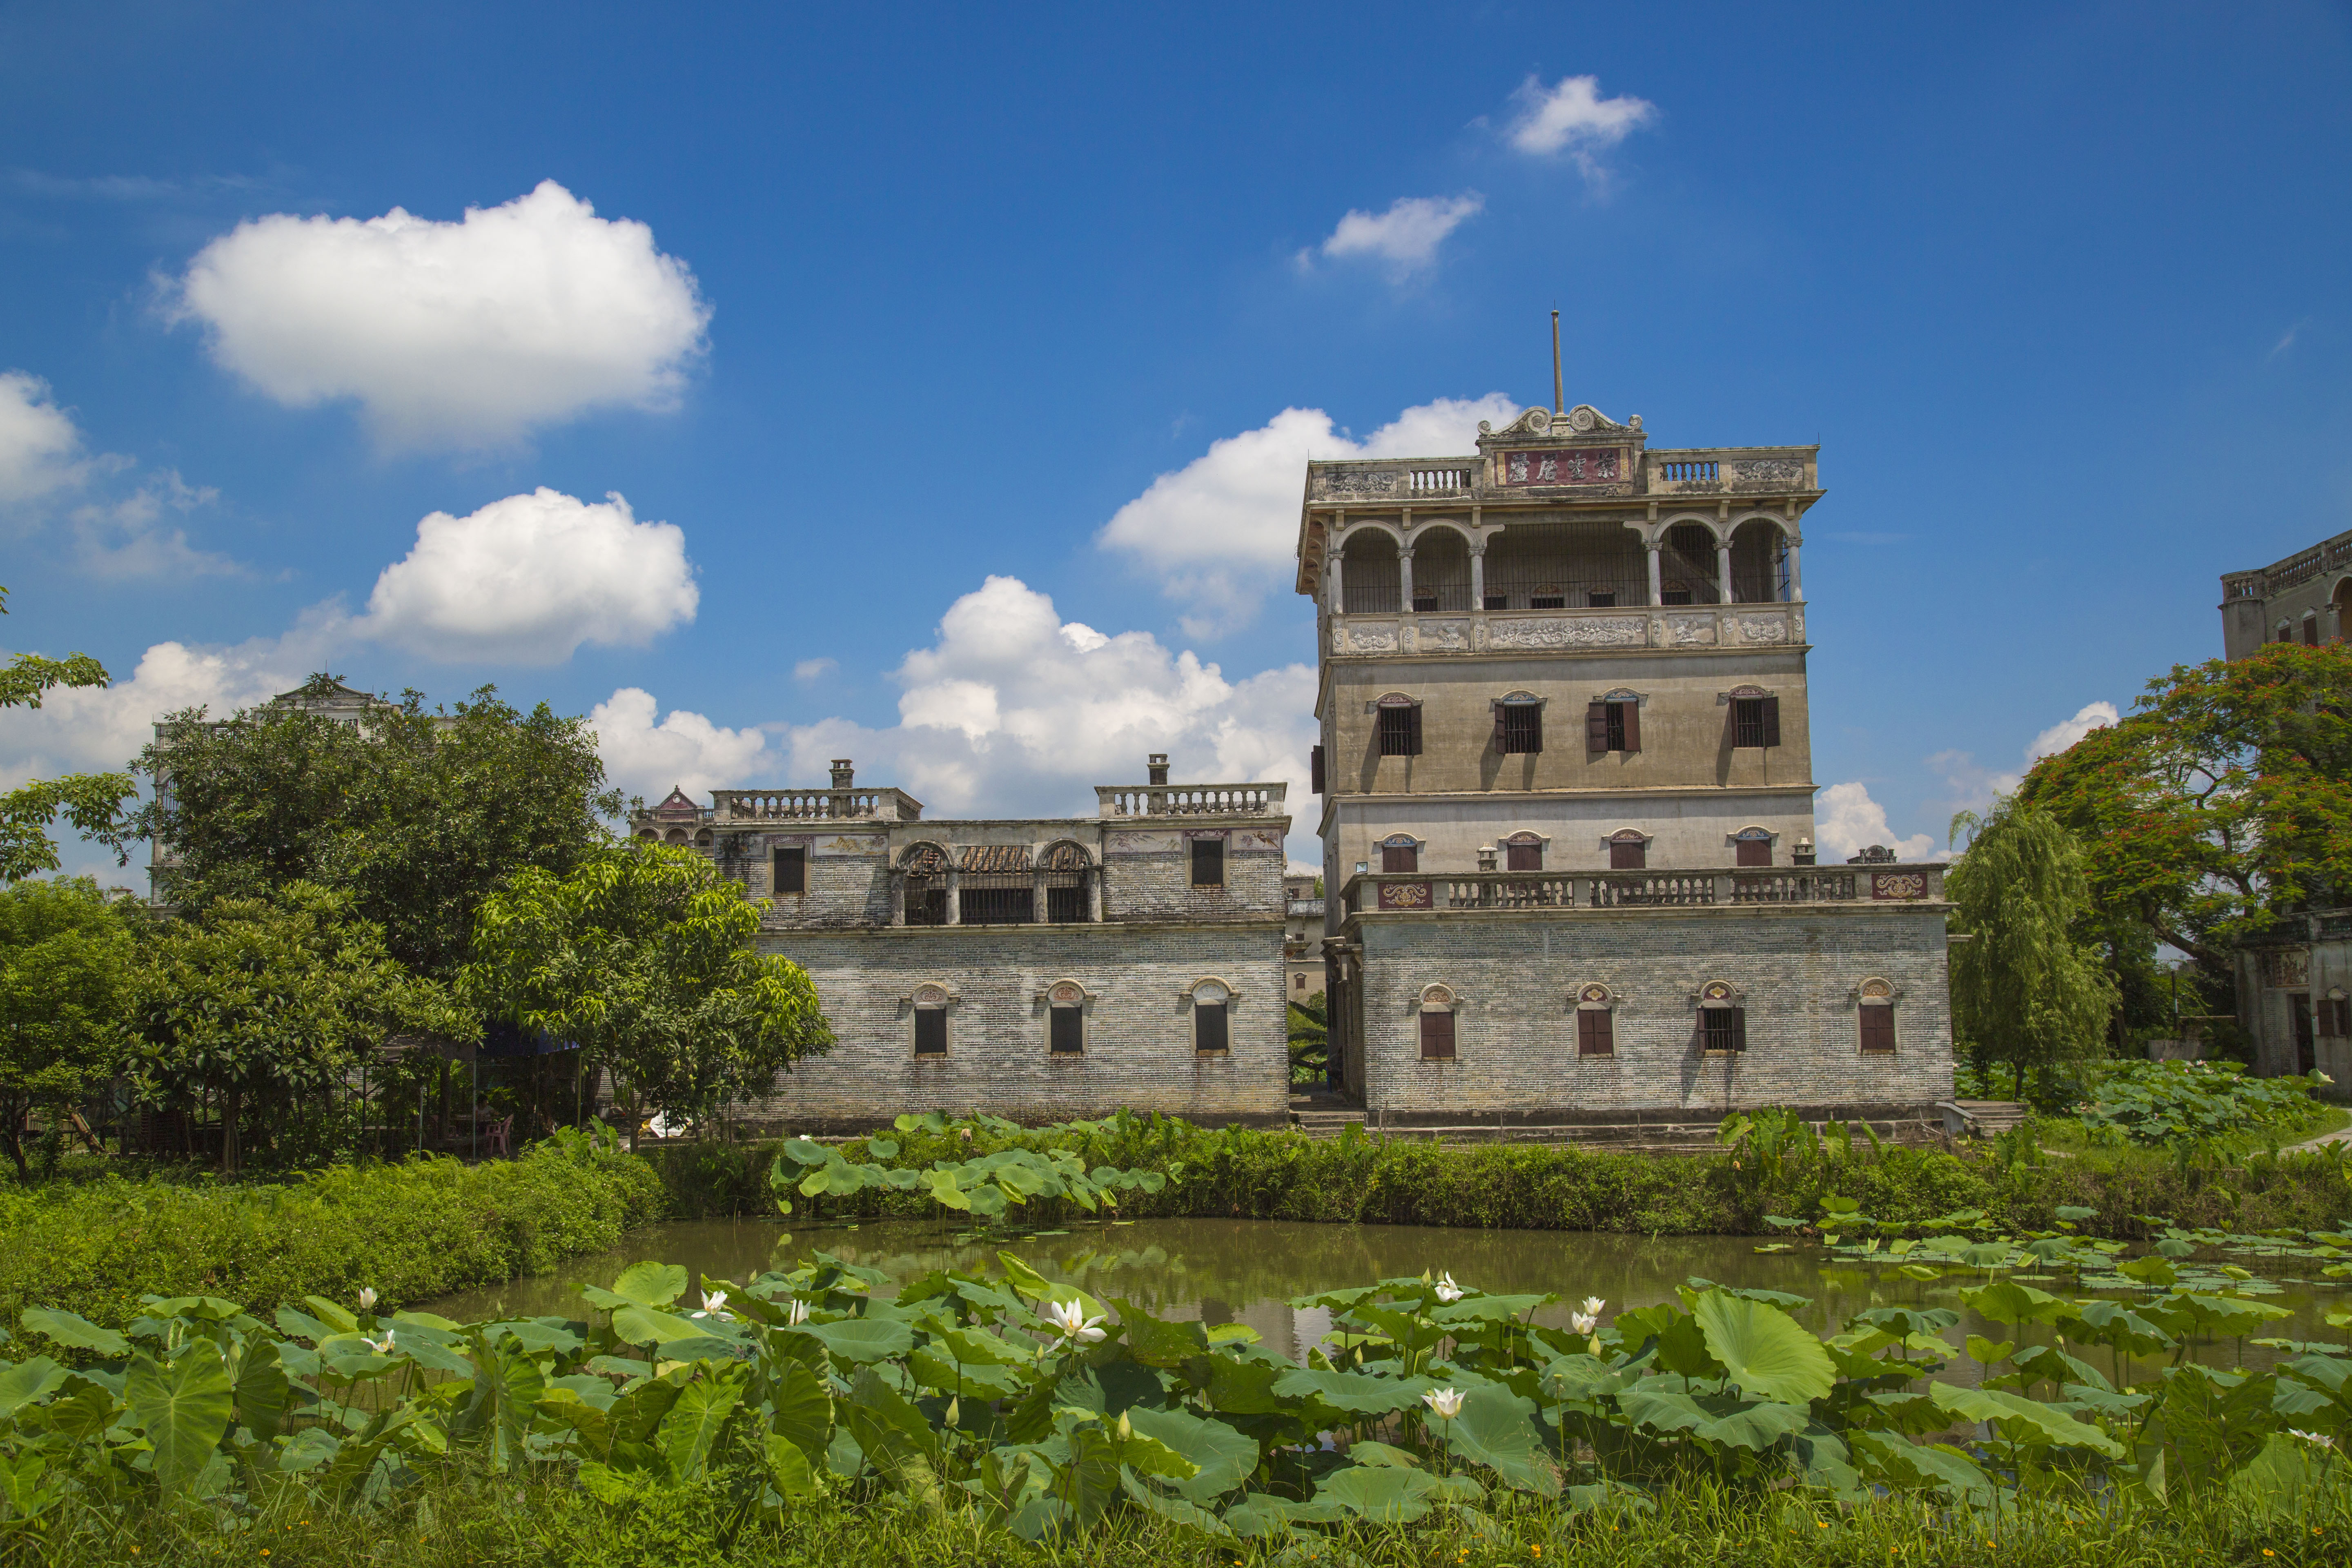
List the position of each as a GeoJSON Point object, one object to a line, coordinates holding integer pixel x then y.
{"type": "Point", "coordinates": [1568, 789]}
{"type": "Point", "coordinates": [1039, 969]}
{"type": "Point", "coordinates": [2306, 598]}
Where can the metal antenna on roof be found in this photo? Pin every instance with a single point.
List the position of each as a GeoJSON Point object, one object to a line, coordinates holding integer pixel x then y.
{"type": "Point", "coordinates": [1559, 402]}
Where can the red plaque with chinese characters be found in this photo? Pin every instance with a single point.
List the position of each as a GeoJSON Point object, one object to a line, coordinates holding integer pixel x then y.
{"type": "Point", "coordinates": [1576, 466]}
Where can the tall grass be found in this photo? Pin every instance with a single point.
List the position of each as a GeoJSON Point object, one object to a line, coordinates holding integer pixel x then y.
{"type": "Point", "coordinates": [413, 1231]}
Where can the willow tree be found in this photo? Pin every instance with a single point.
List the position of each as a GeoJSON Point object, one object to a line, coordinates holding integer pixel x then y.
{"type": "Point", "coordinates": [2027, 990]}
{"type": "Point", "coordinates": [646, 959]}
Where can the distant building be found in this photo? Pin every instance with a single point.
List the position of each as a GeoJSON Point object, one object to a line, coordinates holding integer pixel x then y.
{"type": "Point", "coordinates": [2306, 598]}
{"type": "Point", "coordinates": [2293, 982]}
{"type": "Point", "coordinates": [1039, 969]}
{"type": "Point", "coordinates": [1567, 793]}
{"type": "Point", "coordinates": [1302, 937]}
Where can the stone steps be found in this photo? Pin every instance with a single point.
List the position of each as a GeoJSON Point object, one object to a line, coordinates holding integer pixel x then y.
{"type": "Point", "coordinates": [1986, 1118]}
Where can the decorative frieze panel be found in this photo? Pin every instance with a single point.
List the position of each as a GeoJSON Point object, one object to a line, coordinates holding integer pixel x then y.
{"type": "Point", "coordinates": [1766, 473]}
{"type": "Point", "coordinates": [1404, 895]}
{"type": "Point", "coordinates": [1446, 636]}
{"type": "Point", "coordinates": [1381, 639]}
{"type": "Point", "coordinates": [1690, 631]}
{"type": "Point", "coordinates": [868, 844]}
{"type": "Point", "coordinates": [1764, 629]}
{"type": "Point", "coordinates": [1898, 884]}
{"type": "Point", "coordinates": [1166, 843]}
{"type": "Point", "coordinates": [1569, 631]}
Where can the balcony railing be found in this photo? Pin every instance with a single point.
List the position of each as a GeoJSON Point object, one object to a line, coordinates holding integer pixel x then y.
{"type": "Point", "coordinates": [1191, 800]}
{"type": "Point", "coordinates": [1418, 892]}
{"type": "Point", "coordinates": [814, 805]}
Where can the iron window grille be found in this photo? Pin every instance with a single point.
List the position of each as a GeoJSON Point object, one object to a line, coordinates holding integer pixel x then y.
{"type": "Point", "coordinates": [1399, 729]}
{"type": "Point", "coordinates": [1724, 1029]}
{"type": "Point", "coordinates": [1066, 897]}
{"type": "Point", "coordinates": [1209, 1026]}
{"type": "Point", "coordinates": [1067, 1029]}
{"type": "Point", "coordinates": [997, 897]}
{"type": "Point", "coordinates": [1518, 728]}
{"type": "Point", "coordinates": [1754, 721]}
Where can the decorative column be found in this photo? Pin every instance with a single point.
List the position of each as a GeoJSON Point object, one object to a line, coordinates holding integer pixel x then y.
{"type": "Point", "coordinates": [1038, 906]}
{"type": "Point", "coordinates": [1336, 564]}
{"type": "Point", "coordinates": [1405, 581]}
{"type": "Point", "coordinates": [955, 894]}
{"type": "Point", "coordinates": [1657, 593]}
{"type": "Point", "coordinates": [1723, 571]}
{"type": "Point", "coordinates": [1796, 575]}
{"type": "Point", "coordinates": [898, 898]}
{"type": "Point", "coordinates": [1478, 576]}
{"type": "Point", "coordinates": [1094, 875]}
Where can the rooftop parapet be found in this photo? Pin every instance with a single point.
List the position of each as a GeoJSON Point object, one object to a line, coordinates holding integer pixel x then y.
{"type": "Point", "coordinates": [1191, 800]}
{"type": "Point", "coordinates": [2297, 569]}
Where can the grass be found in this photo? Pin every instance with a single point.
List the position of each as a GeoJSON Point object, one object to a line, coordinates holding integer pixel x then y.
{"type": "Point", "coordinates": [449, 1522]}
{"type": "Point", "coordinates": [415, 1230]}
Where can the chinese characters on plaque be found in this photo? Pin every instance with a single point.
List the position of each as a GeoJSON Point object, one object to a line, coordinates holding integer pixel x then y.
{"type": "Point", "coordinates": [1589, 466]}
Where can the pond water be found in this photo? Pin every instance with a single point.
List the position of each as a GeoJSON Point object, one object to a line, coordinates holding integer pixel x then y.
{"type": "Point", "coordinates": [1247, 1271]}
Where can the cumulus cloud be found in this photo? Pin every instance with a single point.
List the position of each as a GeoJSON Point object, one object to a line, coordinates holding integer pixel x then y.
{"type": "Point", "coordinates": [1849, 821]}
{"type": "Point", "coordinates": [529, 578]}
{"type": "Point", "coordinates": [1219, 531]}
{"type": "Point", "coordinates": [463, 335]}
{"type": "Point", "coordinates": [809, 671]}
{"type": "Point", "coordinates": [131, 535]}
{"type": "Point", "coordinates": [685, 750]}
{"type": "Point", "coordinates": [1014, 711]}
{"type": "Point", "coordinates": [1571, 119]}
{"type": "Point", "coordinates": [1406, 237]}
{"type": "Point", "coordinates": [1971, 785]}
{"type": "Point", "coordinates": [40, 449]}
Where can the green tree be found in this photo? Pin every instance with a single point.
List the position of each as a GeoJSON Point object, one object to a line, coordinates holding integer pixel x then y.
{"type": "Point", "coordinates": [1311, 1038]}
{"type": "Point", "coordinates": [645, 957]}
{"type": "Point", "coordinates": [261, 1005]}
{"type": "Point", "coordinates": [2027, 990]}
{"type": "Point", "coordinates": [65, 967]}
{"type": "Point", "coordinates": [414, 813]}
{"type": "Point", "coordinates": [88, 801]}
{"type": "Point", "coordinates": [2223, 800]}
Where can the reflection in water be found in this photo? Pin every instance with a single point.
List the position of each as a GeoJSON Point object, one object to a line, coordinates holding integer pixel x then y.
{"type": "Point", "coordinates": [1247, 1271]}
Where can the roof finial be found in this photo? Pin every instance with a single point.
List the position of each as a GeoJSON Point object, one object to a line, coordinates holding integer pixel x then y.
{"type": "Point", "coordinates": [1559, 402]}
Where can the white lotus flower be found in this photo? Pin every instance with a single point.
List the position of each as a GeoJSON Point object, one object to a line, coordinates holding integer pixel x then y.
{"type": "Point", "coordinates": [2321, 1076]}
{"type": "Point", "coordinates": [367, 1297]}
{"type": "Point", "coordinates": [714, 1304]}
{"type": "Point", "coordinates": [799, 1314]}
{"type": "Point", "coordinates": [1592, 1305]}
{"type": "Point", "coordinates": [382, 1346]}
{"type": "Point", "coordinates": [1447, 1291]}
{"type": "Point", "coordinates": [1070, 1318]}
{"type": "Point", "coordinates": [2321, 1439]}
{"type": "Point", "coordinates": [1446, 1402]}
{"type": "Point", "coordinates": [1583, 1322]}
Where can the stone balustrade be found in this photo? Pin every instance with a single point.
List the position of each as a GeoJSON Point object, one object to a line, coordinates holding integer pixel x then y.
{"type": "Point", "coordinates": [814, 805]}
{"type": "Point", "coordinates": [1373, 893]}
{"type": "Point", "coordinates": [1191, 800]}
{"type": "Point", "coordinates": [1726, 470]}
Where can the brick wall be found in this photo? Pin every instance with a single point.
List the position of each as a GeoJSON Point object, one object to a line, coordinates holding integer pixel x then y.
{"type": "Point", "coordinates": [1516, 1027]}
{"type": "Point", "coordinates": [1139, 1047]}
{"type": "Point", "coordinates": [1148, 876]}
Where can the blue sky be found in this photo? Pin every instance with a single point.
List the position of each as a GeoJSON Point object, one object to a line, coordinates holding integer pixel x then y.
{"type": "Point", "coordinates": [956, 366]}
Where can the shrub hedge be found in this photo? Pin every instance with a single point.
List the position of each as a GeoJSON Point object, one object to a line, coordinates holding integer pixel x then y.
{"type": "Point", "coordinates": [413, 1231]}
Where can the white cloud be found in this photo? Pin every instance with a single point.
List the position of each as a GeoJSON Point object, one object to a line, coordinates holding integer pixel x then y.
{"type": "Point", "coordinates": [125, 537]}
{"type": "Point", "coordinates": [683, 749]}
{"type": "Point", "coordinates": [2066, 731]}
{"type": "Point", "coordinates": [529, 578]}
{"type": "Point", "coordinates": [1971, 785]}
{"type": "Point", "coordinates": [1571, 116]}
{"type": "Point", "coordinates": [1406, 237]}
{"type": "Point", "coordinates": [1014, 711]}
{"type": "Point", "coordinates": [809, 671]}
{"type": "Point", "coordinates": [1220, 532]}
{"type": "Point", "coordinates": [1849, 821]}
{"type": "Point", "coordinates": [465, 334]}
{"type": "Point", "coordinates": [40, 449]}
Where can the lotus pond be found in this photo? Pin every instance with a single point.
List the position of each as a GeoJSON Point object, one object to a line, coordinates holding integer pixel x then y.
{"type": "Point", "coordinates": [1251, 1272]}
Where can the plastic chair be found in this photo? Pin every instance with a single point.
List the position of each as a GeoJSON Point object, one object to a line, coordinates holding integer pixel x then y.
{"type": "Point", "coordinates": [502, 1139]}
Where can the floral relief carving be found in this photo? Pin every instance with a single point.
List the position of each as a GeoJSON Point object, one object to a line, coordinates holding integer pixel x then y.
{"type": "Point", "coordinates": [1372, 640]}
{"type": "Point", "coordinates": [1764, 629]}
{"type": "Point", "coordinates": [1571, 632]}
{"type": "Point", "coordinates": [1690, 631]}
{"type": "Point", "coordinates": [1446, 636]}
{"type": "Point", "coordinates": [1767, 471]}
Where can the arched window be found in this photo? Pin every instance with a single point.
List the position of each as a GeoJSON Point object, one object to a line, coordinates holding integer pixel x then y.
{"type": "Point", "coordinates": [702, 839]}
{"type": "Point", "coordinates": [1438, 1003]}
{"type": "Point", "coordinates": [1759, 562]}
{"type": "Point", "coordinates": [1400, 852]}
{"type": "Point", "coordinates": [1722, 1018]}
{"type": "Point", "coordinates": [1066, 1019]}
{"type": "Point", "coordinates": [1441, 570]}
{"type": "Point", "coordinates": [1688, 573]}
{"type": "Point", "coordinates": [1523, 852]}
{"type": "Point", "coordinates": [1629, 849]}
{"type": "Point", "coordinates": [1555, 565]}
{"type": "Point", "coordinates": [1370, 573]}
{"type": "Point", "coordinates": [925, 869]}
{"type": "Point", "coordinates": [1875, 1015]}
{"type": "Point", "coordinates": [1519, 724]}
{"type": "Point", "coordinates": [1751, 847]}
{"type": "Point", "coordinates": [1399, 725]}
{"type": "Point", "coordinates": [1753, 716]}
{"type": "Point", "coordinates": [1596, 1026]}
{"type": "Point", "coordinates": [2311, 628]}
{"type": "Point", "coordinates": [1213, 1002]}
{"type": "Point", "coordinates": [1612, 722]}
{"type": "Point", "coordinates": [931, 1001]}
{"type": "Point", "coordinates": [648, 833]}
{"type": "Point", "coordinates": [1065, 866]}
{"type": "Point", "coordinates": [675, 836]}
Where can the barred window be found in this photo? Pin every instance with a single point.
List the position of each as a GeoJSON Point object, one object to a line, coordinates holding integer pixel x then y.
{"type": "Point", "coordinates": [1067, 1028]}
{"type": "Point", "coordinates": [791, 871]}
{"type": "Point", "coordinates": [1209, 1025]}
{"type": "Point", "coordinates": [1755, 720]}
{"type": "Point", "coordinates": [1724, 1029]}
{"type": "Point", "coordinates": [1208, 862]}
{"type": "Point", "coordinates": [930, 1031]}
{"type": "Point", "coordinates": [1400, 727]}
{"type": "Point", "coordinates": [1518, 726]}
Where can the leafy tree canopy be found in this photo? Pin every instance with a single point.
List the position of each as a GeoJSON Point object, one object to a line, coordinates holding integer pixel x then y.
{"type": "Point", "coordinates": [264, 1003]}
{"type": "Point", "coordinates": [65, 968]}
{"type": "Point", "coordinates": [2027, 990]}
{"type": "Point", "coordinates": [415, 814]}
{"type": "Point", "coordinates": [2223, 799]}
{"type": "Point", "coordinates": [88, 801]}
{"type": "Point", "coordinates": [647, 958]}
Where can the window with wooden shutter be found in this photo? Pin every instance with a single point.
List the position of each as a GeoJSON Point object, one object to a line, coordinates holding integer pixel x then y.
{"type": "Point", "coordinates": [1523, 852]}
{"type": "Point", "coordinates": [1399, 854]}
{"type": "Point", "coordinates": [1877, 1028]}
{"type": "Point", "coordinates": [1208, 862]}
{"type": "Point", "coordinates": [1399, 729]}
{"type": "Point", "coordinates": [1436, 1034]}
{"type": "Point", "coordinates": [1315, 770]}
{"type": "Point", "coordinates": [1771, 721]}
{"type": "Point", "coordinates": [790, 872]}
{"type": "Point", "coordinates": [1629, 852]}
{"type": "Point", "coordinates": [1595, 1034]}
{"type": "Point", "coordinates": [1209, 1025]}
{"type": "Point", "coordinates": [2336, 1016]}
{"type": "Point", "coordinates": [1518, 728]}
{"type": "Point", "coordinates": [1752, 847]}
{"type": "Point", "coordinates": [1067, 1028]}
{"type": "Point", "coordinates": [930, 1031]}
{"type": "Point", "coordinates": [1596, 727]}
{"type": "Point", "coordinates": [1723, 1028]}
{"type": "Point", "coordinates": [1628, 720]}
